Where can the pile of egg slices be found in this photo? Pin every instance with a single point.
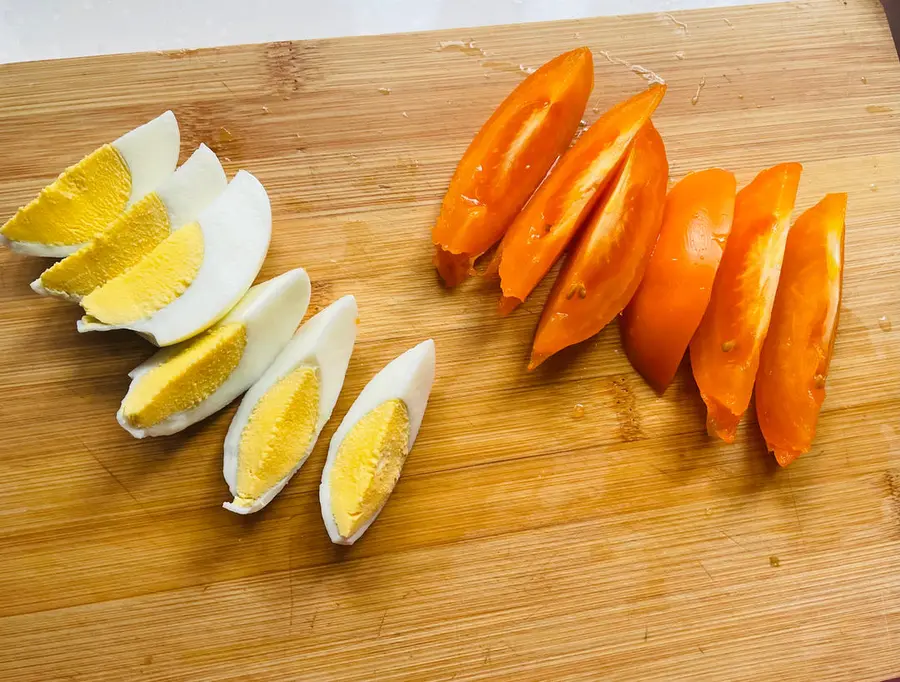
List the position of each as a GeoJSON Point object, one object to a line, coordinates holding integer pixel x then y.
{"type": "Point", "coordinates": [171, 254]}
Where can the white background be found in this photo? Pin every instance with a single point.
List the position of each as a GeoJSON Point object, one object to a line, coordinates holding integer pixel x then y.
{"type": "Point", "coordinates": [49, 29]}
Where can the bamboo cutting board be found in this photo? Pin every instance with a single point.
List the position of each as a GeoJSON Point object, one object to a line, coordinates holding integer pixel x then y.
{"type": "Point", "coordinates": [522, 542]}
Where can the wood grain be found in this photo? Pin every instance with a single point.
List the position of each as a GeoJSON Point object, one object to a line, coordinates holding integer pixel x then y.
{"type": "Point", "coordinates": [521, 543]}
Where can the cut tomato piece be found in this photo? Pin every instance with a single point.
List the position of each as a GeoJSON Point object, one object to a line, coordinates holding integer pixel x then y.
{"type": "Point", "coordinates": [790, 384]}
{"type": "Point", "coordinates": [507, 160]}
{"type": "Point", "coordinates": [561, 204]}
{"type": "Point", "coordinates": [658, 324]}
{"type": "Point", "coordinates": [725, 350]}
{"type": "Point", "coordinates": [604, 269]}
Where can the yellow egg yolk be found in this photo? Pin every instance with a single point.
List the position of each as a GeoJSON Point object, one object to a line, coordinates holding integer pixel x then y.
{"type": "Point", "coordinates": [83, 200]}
{"type": "Point", "coordinates": [368, 464]}
{"type": "Point", "coordinates": [183, 381]}
{"type": "Point", "coordinates": [278, 434]}
{"type": "Point", "coordinates": [124, 242]}
{"type": "Point", "coordinates": [153, 283]}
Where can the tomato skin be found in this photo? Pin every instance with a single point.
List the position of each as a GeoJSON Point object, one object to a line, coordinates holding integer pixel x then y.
{"type": "Point", "coordinates": [604, 268]}
{"type": "Point", "coordinates": [790, 384]}
{"type": "Point", "coordinates": [725, 350]}
{"type": "Point", "coordinates": [507, 160]}
{"type": "Point", "coordinates": [560, 206]}
{"type": "Point", "coordinates": [658, 324]}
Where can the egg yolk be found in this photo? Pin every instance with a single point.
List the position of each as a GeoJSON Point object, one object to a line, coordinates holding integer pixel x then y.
{"type": "Point", "coordinates": [124, 242]}
{"type": "Point", "coordinates": [368, 464]}
{"type": "Point", "coordinates": [153, 283]}
{"type": "Point", "coordinates": [193, 373]}
{"type": "Point", "coordinates": [278, 434]}
{"type": "Point", "coordinates": [83, 200]}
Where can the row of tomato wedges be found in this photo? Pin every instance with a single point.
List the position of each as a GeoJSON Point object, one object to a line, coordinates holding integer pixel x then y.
{"type": "Point", "coordinates": [698, 268]}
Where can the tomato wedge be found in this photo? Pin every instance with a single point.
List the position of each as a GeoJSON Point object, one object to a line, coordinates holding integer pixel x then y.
{"type": "Point", "coordinates": [561, 204]}
{"type": "Point", "coordinates": [658, 324]}
{"type": "Point", "coordinates": [604, 269]}
{"type": "Point", "coordinates": [790, 385]}
{"type": "Point", "coordinates": [508, 159]}
{"type": "Point", "coordinates": [725, 350]}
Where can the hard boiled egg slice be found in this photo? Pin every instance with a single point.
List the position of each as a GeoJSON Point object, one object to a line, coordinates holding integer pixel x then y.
{"type": "Point", "coordinates": [281, 416]}
{"type": "Point", "coordinates": [183, 384]}
{"type": "Point", "coordinates": [194, 276]}
{"type": "Point", "coordinates": [135, 233]}
{"type": "Point", "coordinates": [369, 448]}
{"type": "Point", "coordinates": [81, 202]}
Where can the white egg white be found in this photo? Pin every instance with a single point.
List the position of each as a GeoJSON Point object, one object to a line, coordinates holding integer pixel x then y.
{"type": "Point", "coordinates": [270, 311]}
{"type": "Point", "coordinates": [151, 153]}
{"type": "Point", "coordinates": [324, 343]}
{"type": "Point", "coordinates": [185, 193]}
{"type": "Point", "coordinates": [409, 378]}
{"type": "Point", "coordinates": [236, 230]}
{"type": "Point", "coordinates": [192, 187]}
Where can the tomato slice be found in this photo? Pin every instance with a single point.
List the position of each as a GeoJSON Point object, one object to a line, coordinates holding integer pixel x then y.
{"type": "Point", "coordinates": [507, 160]}
{"type": "Point", "coordinates": [561, 204]}
{"type": "Point", "coordinates": [604, 269]}
{"type": "Point", "coordinates": [790, 385]}
{"type": "Point", "coordinates": [658, 324]}
{"type": "Point", "coordinates": [725, 350]}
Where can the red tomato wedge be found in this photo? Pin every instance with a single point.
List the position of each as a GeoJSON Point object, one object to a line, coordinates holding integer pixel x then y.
{"type": "Point", "coordinates": [507, 160]}
{"type": "Point", "coordinates": [725, 350]}
{"type": "Point", "coordinates": [790, 385]}
{"type": "Point", "coordinates": [658, 324]}
{"type": "Point", "coordinates": [604, 269]}
{"type": "Point", "coordinates": [561, 204]}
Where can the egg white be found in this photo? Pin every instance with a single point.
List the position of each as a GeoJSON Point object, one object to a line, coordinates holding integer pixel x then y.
{"type": "Point", "coordinates": [192, 187]}
{"type": "Point", "coordinates": [409, 378]}
{"type": "Point", "coordinates": [236, 230]}
{"type": "Point", "coordinates": [185, 193]}
{"type": "Point", "coordinates": [270, 312]}
{"type": "Point", "coordinates": [151, 153]}
{"type": "Point", "coordinates": [324, 343]}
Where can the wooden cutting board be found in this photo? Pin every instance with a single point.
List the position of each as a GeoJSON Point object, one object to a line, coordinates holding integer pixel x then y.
{"type": "Point", "coordinates": [522, 542]}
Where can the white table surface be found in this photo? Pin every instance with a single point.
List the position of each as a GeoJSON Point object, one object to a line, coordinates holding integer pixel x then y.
{"type": "Point", "coordinates": [52, 29]}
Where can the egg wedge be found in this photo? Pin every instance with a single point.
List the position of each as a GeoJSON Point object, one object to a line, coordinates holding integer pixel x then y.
{"type": "Point", "coordinates": [282, 414]}
{"type": "Point", "coordinates": [88, 196]}
{"type": "Point", "coordinates": [369, 448]}
{"type": "Point", "coordinates": [135, 233]}
{"type": "Point", "coordinates": [194, 276]}
{"type": "Point", "coordinates": [180, 385]}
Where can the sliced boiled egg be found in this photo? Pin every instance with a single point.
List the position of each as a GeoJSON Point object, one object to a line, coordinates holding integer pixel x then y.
{"type": "Point", "coordinates": [282, 414]}
{"type": "Point", "coordinates": [86, 197]}
{"type": "Point", "coordinates": [182, 384]}
{"type": "Point", "coordinates": [194, 276]}
{"type": "Point", "coordinates": [135, 233]}
{"type": "Point", "coordinates": [369, 448]}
